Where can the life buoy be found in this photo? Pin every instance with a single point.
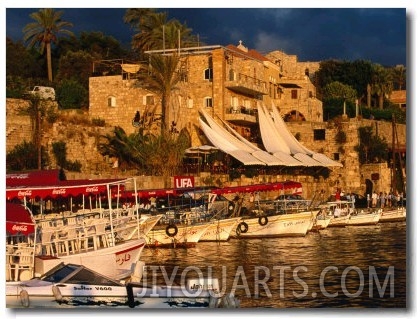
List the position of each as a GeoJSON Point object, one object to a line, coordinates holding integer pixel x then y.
{"type": "Point", "coordinates": [171, 230]}
{"type": "Point", "coordinates": [263, 220]}
{"type": "Point", "coordinates": [242, 228]}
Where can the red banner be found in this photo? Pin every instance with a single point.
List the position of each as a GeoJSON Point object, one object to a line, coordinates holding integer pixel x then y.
{"type": "Point", "coordinates": [183, 182]}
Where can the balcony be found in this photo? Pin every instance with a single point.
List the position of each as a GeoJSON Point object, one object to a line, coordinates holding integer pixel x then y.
{"type": "Point", "coordinates": [247, 85]}
{"type": "Point", "coordinates": [241, 115]}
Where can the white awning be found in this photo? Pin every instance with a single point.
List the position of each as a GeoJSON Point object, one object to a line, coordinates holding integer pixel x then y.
{"type": "Point", "coordinates": [227, 147]}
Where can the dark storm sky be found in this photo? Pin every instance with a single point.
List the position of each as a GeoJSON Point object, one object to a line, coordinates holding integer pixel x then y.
{"type": "Point", "coordinates": [313, 34]}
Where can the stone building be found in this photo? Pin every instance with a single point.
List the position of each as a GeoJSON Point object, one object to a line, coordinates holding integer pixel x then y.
{"type": "Point", "coordinates": [230, 83]}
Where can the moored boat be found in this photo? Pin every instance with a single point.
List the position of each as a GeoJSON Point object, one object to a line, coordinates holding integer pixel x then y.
{"type": "Point", "coordinates": [364, 218]}
{"type": "Point", "coordinates": [220, 230]}
{"type": "Point", "coordinates": [282, 225]}
{"type": "Point", "coordinates": [68, 285]}
{"type": "Point", "coordinates": [393, 215]}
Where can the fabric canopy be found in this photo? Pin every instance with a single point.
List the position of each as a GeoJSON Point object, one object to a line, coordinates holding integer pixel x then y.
{"type": "Point", "coordinates": [65, 188]}
{"type": "Point", "coordinates": [19, 220]}
{"type": "Point", "coordinates": [34, 178]}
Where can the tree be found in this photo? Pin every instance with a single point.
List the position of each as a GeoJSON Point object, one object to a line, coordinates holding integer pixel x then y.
{"type": "Point", "coordinates": [44, 32]}
{"type": "Point", "coordinates": [37, 110]}
{"type": "Point", "coordinates": [399, 73]}
{"type": "Point", "coordinates": [161, 76]}
{"type": "Point", "coordinates": [371, 148]}
{"type": "Point", "coordinates": [381, 83]}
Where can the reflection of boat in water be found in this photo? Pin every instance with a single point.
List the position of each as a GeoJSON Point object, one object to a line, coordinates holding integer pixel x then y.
{"type": "Point", "coordinates": [393, 215]}
{"type": "Point", "coordinates": [68, 285]}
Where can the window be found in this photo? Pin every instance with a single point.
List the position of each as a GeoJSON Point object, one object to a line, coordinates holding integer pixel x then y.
{"type": "Point", "coordinates": [148, 100]}
{"type": "Point", "coordinates": [294, 94]}
{"type": "Point", "coordinates": [190, 103]}
{"type": "Point", "coordinates": [319, 135]}
{"type": "Point", "coordinates": [208, 102]}
{"type": "Point", "coordinates": [336, 156]}
{"type": "Point", "coordinates": [232, 75]}
{"type": "Point", "coordinates": [208, 74]}
{"type": "Point", "coordinates": [112, 101]}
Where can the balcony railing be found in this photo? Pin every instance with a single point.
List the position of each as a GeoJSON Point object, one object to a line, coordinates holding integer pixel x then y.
{"type": "Point", "coordinates": [245, 84]}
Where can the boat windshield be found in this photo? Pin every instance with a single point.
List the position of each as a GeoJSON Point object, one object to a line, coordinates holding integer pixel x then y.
{"type": "Point", "coordinates": [76, 274]}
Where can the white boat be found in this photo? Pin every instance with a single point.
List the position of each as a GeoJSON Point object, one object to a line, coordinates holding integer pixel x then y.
{"type": "Point", "coordinates": [71, 285]}
{"type": "Point", "coordinates": [364, 218]}
{"type": "Point", "coordinates": [284, 225]}
{"type": "Point", "coordinates": [321, 222]}
{"type": "Point", "coordinates": [176, 235]}
{"type": "Point", "coordinates": [338, 211]}
{"type": "Point", "coordinates": [393, 215]}
{"type": "Point", "coordinates": [220, 230]}
{"type": "Point", "coordinates": [137, 228]}
{"type": "Point", "coordinates": [114, 261]}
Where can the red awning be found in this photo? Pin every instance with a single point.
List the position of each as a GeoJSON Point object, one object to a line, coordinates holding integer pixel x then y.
{"type": "Point", "coordinates": [19, 219]}
{"type": "Point", "coordinates": [65, 188]}
{"type": "Point", "coordinates": [35, 178]}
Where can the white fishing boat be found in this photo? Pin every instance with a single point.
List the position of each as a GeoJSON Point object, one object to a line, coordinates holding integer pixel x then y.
{"type": "Point", "coordinates": [393, 215]}
{"type": "Point", "coordinates": [176, 235]}
{"type": "Point", "coordinates": [338, 211]}
{"type": "Point", "coordinates": [220, 230]}
{"type": "Point", "coordinates": [72, 285]}
{"type": "Point", "coordinates": [321, 222]}
{"type": "Point", "coordinates": [137, 228]}
{"type": "Point", "coordinates": [284, 225]}
{"type": "Point", "coordinates": [364, 218]}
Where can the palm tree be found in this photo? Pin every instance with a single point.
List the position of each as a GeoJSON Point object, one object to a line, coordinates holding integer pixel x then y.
{"type": "Point", "coordinates": [155, 31]}
{"type": "Point", "coordinates": [161, 76]}
{"type": "Point", "coordinates": [381, 83]}
{"type": "Point", "coordinates": [44, 32]}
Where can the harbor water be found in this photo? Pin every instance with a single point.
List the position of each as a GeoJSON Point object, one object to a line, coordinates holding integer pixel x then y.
{"type": "Point", "coordinates": [352, 267]}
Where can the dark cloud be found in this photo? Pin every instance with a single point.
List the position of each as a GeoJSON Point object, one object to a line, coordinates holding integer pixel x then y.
{"type": "Point", "coordinates": [313, 34]}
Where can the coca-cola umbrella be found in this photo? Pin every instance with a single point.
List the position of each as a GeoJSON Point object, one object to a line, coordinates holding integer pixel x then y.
{"type": "Point", "coordinates": [19, 220]}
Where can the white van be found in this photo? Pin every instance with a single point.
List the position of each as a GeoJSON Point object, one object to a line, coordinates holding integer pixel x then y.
{"type": "Point", "coordinates": [44, 92]}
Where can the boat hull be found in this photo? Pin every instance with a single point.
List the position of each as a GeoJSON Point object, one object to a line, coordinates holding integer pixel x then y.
{"type": "Point", "coordinates": [79, 295]}
{"type": "Point", "coordinates": [395, 215]}
{"type": "Point", "coordinates": [286, 225]}
{"type": "Point", "coordinates": [186, 235]}
{"type": "Point", "coordinates": [220, 230]}
{"type": "Point", "coordinates": [114, 262]}
{"type": "Point", "coordinates": [364, 219]}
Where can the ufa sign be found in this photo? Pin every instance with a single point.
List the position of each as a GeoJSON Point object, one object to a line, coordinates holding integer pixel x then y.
{"type": "Point", "coordinates": [184, 181]}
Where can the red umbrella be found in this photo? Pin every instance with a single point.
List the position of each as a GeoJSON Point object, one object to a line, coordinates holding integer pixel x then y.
{"type": "Point", "coordinates": [19, 219]}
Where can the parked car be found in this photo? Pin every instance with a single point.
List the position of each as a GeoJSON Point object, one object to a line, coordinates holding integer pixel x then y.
{"type": "Point", "coordinates": [44, 92]}
{"type": "Point", "coordinates": [290, 197]}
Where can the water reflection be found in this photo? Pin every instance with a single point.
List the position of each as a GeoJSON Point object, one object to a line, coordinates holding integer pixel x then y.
{"type": "Point", "coordinates": [337, 267]}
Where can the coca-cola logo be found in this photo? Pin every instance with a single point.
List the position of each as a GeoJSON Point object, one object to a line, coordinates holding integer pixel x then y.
{"type": "Point", "coordinates": [59, 191]}
{"type": "Point", "coordinates": [25, 193]}
{"type": "Point", "coordinates": [20, 228]}
{"type": "Point", "coordinates": [92, 189]}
